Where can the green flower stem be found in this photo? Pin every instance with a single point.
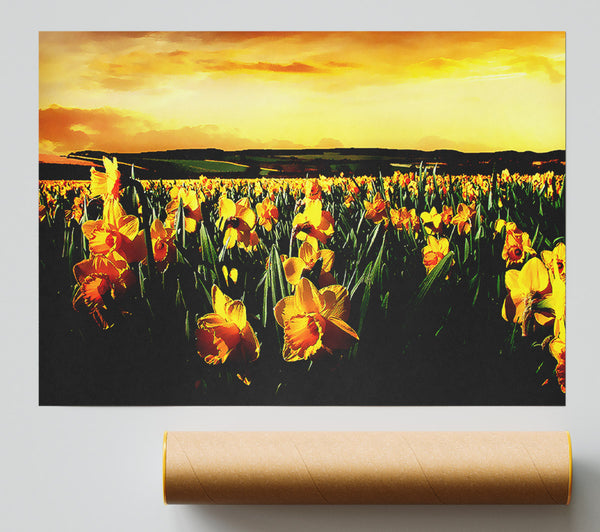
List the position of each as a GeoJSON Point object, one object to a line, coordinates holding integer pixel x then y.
{"type": "Point", "coordinates": [139, 188]}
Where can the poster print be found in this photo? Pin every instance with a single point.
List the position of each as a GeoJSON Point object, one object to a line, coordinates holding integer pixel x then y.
{"type": "Point", "coordinates": [311, 218]}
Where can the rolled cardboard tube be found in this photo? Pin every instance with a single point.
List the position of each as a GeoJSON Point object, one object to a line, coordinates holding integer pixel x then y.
{"type": "Point", "coordinates": [367, 467]}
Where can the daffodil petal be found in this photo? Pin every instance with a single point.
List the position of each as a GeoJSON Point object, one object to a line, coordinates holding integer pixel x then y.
{"type": "Point", "coordinates": [328, 257]}
{"type": "Point", "coordinates": [308, 299]}
{"type": "Point", "coordinates": [307, 253]}
{"type": "Point", "coordinates": [336, 302]}
{"type": "Point", "coordinates": [534, 275]}
{"type": "Point", "coordinates": [293, 269]}
{"type": "Point", "coordinates": [236, 313]}
{"type": "Point", "coordinates": [285, 309]}
{"type": "Point", "coordinates": [338, 335]}
{"type": "Point", "coordinates": [219, 301]}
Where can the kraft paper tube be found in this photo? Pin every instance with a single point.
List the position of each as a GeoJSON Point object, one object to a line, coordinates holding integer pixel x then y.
{"type": "Point", "coordinates": [367, 467]}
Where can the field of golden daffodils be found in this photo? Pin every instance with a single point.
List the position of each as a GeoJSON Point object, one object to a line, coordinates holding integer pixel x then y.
{"type": "Point", "coordinates": [406, 289]}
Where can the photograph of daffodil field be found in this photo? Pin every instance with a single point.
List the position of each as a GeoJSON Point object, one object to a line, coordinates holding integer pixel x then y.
{"type": "Point", "coordinates": [407, 288]}
{"type": "Point", "coordinates": [302, 218]}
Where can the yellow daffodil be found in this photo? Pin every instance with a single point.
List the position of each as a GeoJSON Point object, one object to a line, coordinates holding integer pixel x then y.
{"type": "Point", "coordinates": [556, 259]}
{"type": "Point", "coordinates": [434, 252]}
{"type": "Point", "coordinates": [432, 221]}
{"type": "Point", "coordinates": [163, 244]}
{"type": "Point", "coordinates": [462, 219]}
{"type": "Point", "coordinates": [100, 281]}
{"type": "Point", "coordinates": [238, 220]}
{"type": "Point", "coordinates": [413, 189]}
{"type": "Point", "coordinates": [124, 238]}
{"type": "Point", "coordinates": [76, 211]}
{"type": "Point", "coordinates": [314, 224]}
{"type": "Point", "coordinates": [447, 215]}
{"type": "Point", "coordinates": [403, 219]}
{"type": "Point", "coordinates": [226, 334]}
{"type": "Point", "coordinates": [191, 202]}
{"type": "Point", "coordinates": [314, 321]}
{"type": "Point", "coordinates": [526, 289]}
{"type": "Point", "coordinates": [312, 189]}
{"type": "Point", "coordinates": [108, 186]}
{"type": "Point", "coordinates": [295, 267]}
{"type": "Point", "coordinates": [267, 214]}
{"type": "Point", "coordinates": [376, 211]}
{"type": "Point", "coordinates": [516, 245]}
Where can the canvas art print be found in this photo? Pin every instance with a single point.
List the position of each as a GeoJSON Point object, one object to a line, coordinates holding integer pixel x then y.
{"type": "Point", "coordinates": [306, 218]}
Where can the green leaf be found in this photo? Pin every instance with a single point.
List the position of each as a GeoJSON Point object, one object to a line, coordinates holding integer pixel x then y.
{"type": "Point", "coordinates": [283, 285]}
{"type": "Point", "coordinates": [372, 241]}
{"type": "Point", "coordinates": [209, 253]}
{"type": "Point", "coordinates": [188, 327]}
{"type": "Point", "coordinates": [476, 290]}
{"type": "Point", "coordinates": [375, 275]}
{"type": "Point", "coordinates": [361, 279]}
{"type": "Point", "coordinates": [479, 233]}
{"type": "Point", "coordinates": [385, 303]}
{"type": "Point", "coordinates": [265, 299]}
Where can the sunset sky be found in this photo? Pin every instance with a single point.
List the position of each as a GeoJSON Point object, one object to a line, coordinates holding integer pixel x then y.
{"type": "Point", "coordinates": [141, 91]}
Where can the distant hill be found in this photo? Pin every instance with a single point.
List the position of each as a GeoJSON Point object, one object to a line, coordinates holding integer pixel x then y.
{"type": "Point", "coordinates": [190, 163]}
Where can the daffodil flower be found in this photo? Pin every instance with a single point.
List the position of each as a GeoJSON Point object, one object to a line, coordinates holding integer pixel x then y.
{"type": "Point", "coordinates": [238, 220]}
{"type": "Point", "coordinates": [226, 334]}
{"type": "Point", "coordinates": [376, 211]}
{"type": "Point", "coordinates": [403, 219]}
{"type": "Point", "coordinates": [267, 214]}
{"type": "Point", "coordinates": [462, 219]}
{"type": "Point", "coordinates": [516, 244]}
{"type": "Point", "coordinates": [447, 215]}
{"type": "Point", "coordinates": [101, 280]}
{"type": "Point", "coordinates": [434, 252]}
{"type": "Point", "coordinates": [108, 186]}
{"type": "Point", "coordinates": [192, 207]}
{"type": "Point", "coordinates": [295, 267]}
{"type": "Point", "coordinates": [432, 221]}
{"type": "Point", "coordinates": [312, 189]}
{"type": "Point", "coordinates": [163, 244]}
{"type": "Point", "coordinates": [526, 289]}
{"type": "Point", "coordinates": [314, 224]}
{"type": "Point", "coordinates": [314, 321]}
{"type": "Point", "coordinates": [556, 259]}
{"type": "Point", "coordinates": [123, 237]}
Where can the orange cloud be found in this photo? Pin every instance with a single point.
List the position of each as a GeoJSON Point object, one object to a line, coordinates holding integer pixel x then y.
{"type": "Point", "coordinates": [63, 130]}
{"type": "Point", "coordinates": [125, 61]}
{"type": "Point", "coordinates": [62, 127]}
{"type": "Point", "coordinates": [292, 67]}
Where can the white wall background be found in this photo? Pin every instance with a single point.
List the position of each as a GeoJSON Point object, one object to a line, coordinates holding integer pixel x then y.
{"type": "Point", "coordinates": [97, 469]}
